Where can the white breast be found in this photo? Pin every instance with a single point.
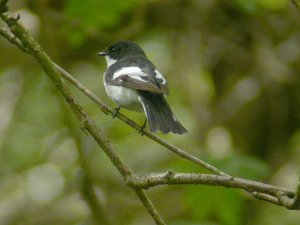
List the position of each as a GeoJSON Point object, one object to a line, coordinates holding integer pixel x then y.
{"type": "Point", "coordinates": [123, 96]}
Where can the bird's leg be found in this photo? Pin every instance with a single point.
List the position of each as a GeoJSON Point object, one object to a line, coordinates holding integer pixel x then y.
{"type": "Point", "coordinates": [143, 127]}
{"type": "Point", "coordinates": [116, 111]}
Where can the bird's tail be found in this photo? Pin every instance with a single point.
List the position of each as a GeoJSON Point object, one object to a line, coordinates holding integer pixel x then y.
{"type": "Point", "coordinates": [159, 113]}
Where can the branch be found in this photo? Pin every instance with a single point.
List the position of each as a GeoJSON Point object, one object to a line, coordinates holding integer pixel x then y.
{"type": "Point", "coordinates": [171, 177]}
{"type": "Point", "coordinates": [265, 197]}
{"type": "Point", "coordinates": [108, 110]}
{"type": "Point", "coordinates": [273, 194]}
{"type": "Point", "coordinates": [262, 191]}
{"type": "Point", "coordinates": [177, 150]}
{"type": "Point", "coordinates": [87, 190]}
{"type": "Point", "coordinates": [291, 203]}
{"type": "Point", "coordinates": [87, 123]}
{"type": "Point", "coordinates": [104, 143]}
{"type": "Point", "coordinates": [12, 39]}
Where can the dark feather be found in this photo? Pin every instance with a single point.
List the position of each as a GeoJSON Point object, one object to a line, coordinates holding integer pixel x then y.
{"type": "Point", "coordinates": [127, 81]}
{"type": "Point", "coordinates": [146, 66]}
{"type": "Point", "coordinates": [159, 113]}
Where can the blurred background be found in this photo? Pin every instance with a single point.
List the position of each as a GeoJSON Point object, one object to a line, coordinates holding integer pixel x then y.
{"type": "Point", "coordinates": [232, 68]}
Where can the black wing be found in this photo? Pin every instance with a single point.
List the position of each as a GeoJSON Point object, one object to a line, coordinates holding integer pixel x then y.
{"type": "Point", "coordinates": [136, 78]}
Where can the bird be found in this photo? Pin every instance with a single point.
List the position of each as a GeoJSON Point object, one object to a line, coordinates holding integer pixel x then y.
{"type": "Point", "coordinates": [133, 82]}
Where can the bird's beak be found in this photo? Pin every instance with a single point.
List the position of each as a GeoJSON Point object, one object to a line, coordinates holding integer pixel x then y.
{"type": "Point", "coordinates": [102, 53]}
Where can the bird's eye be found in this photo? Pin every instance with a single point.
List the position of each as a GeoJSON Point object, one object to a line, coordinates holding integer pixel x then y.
{"type": "Point", "coordinates": [113, 49]}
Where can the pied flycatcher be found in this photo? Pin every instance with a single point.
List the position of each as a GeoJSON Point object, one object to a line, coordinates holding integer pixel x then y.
{"type": "Point", "coordinates": [133, 82]}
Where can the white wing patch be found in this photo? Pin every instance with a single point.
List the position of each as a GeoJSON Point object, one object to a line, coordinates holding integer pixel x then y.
{"type": "Point", "coordinates": [160, 76]}
{"type": "Point", "coordinates": [133, 72]}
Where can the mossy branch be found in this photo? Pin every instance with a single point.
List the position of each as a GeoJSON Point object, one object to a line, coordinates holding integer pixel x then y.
{"type": "Point", "coordinates": [34, 49]}
{"type": "Point", "coordinates": [20, 37]}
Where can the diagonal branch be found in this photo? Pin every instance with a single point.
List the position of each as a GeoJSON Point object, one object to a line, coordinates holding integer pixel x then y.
{"type": "Point", "coordinates": [12, 39]}
{"type": "Point", "coordinates": [108, 110]}
{"type": "Point", "coordinates": [87, 123]}
{"type": "Point", "coordinates": [86, 182]}
{"type": "Point", "coordinates": [276, 195]}
{"type": "Point", "coordinates": [106, 146]}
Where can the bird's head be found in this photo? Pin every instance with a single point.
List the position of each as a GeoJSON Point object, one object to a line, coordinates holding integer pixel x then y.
{"type": "Point", "coordinates": [119, 49]}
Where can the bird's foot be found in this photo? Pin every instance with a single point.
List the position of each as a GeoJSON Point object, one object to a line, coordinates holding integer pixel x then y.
{"type": "Point", "coordinates": [115, 112]}
{"type": "Point", "coordinates": [143, 128]}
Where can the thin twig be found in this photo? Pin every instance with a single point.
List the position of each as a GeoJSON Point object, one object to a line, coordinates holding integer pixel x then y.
{"type": "Point", "coordinates": [266, 197]}
{"type": "Point", "coordinates": [291, 203]}
{"type": "Point", "coordinates": [262, 191]}
{"type": "Point", "coordinates": [106, 146]}
{"type": "Point", "coordinates": [108, 110]}
{"type": "Point", "coordinates": [87, 123]}
{"type": "Point", "coordinates": [12, 39]}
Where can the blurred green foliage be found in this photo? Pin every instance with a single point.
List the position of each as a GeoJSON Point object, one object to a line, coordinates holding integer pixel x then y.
{"type": "Point", "coordinates": [232, 68]}
{"type": "Point", "coordinates": [102, 14]}
{"type": "Point", "coordinates": [255, 5]}
{"type": "Point", "coordinates": [97, 14]}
